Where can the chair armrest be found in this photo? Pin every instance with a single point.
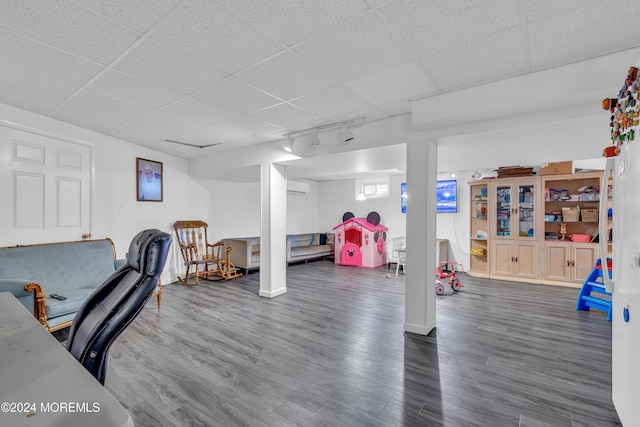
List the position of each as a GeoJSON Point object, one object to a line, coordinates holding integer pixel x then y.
{"type": "Point", "coordinates": [119, 263]}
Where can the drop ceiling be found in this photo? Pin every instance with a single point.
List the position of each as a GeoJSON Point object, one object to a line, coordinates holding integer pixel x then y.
{"type": "Point", "coordinates": [226, 74]}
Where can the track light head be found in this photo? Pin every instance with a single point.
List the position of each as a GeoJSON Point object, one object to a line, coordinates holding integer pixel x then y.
{"type": "Point", "coordinates": [347, 135]}
{"type": "Point", "coordinates": [315, 140]}
{"type": "Point", "coordinates": [288, 147]}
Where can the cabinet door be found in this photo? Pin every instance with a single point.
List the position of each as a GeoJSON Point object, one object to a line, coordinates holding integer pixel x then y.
{"type": "Point", "coordinates": [558, 258]}
{"type": "Point", "coordinates": [503, 211]}
{"type": "Point", "coordinates": [503, 258]}
{"type": "Point", "coordinates": [526, 259]}
{"type": "Point", "coordinates": [584, 257]}
{"type": "Point", "coordinates": [526, 210]}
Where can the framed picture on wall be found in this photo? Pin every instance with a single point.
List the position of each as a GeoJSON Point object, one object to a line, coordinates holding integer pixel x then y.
{"type": "Point", "coordinates": [148, 180]}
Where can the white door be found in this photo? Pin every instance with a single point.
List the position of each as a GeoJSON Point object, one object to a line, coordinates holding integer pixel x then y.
{"type": "Point", "coordinates": [45, 186]}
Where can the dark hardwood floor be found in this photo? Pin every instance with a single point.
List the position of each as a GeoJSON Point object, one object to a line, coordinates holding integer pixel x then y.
{"type": "Point", "coordinates": [332, 352]}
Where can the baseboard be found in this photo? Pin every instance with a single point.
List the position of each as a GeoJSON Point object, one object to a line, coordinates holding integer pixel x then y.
{"type": "Point", "coordinates": [272, 294]}
{"type": "Point", "coordinates": [419, 329]}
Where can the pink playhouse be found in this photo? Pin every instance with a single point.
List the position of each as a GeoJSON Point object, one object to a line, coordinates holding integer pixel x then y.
{"type": "Point", "coordinates": [361, 241]}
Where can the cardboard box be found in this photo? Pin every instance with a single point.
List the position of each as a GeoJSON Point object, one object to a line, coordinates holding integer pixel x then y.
{"type": "Point", "coordinates": [557, 168]}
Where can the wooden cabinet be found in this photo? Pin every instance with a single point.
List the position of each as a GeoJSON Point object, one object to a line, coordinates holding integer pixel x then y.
{"type": "Point", "coordinates": [519, 217]}
{"type": "Point", "coordinates": [569, 262]}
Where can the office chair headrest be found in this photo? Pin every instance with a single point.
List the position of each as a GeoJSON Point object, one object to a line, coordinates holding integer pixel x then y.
{"type": "Point", "coordinates": [154, 240]}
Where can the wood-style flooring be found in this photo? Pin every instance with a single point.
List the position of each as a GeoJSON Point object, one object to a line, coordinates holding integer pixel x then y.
{"type": "Point", "coordinates": [332, 352]}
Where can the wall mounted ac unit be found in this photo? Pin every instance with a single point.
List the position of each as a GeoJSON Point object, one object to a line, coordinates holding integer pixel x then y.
{"type": "Point", "coordinates": [297, 187]}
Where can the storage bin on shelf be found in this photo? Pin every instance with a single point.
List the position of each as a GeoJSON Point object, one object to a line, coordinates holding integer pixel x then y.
{"type": "Point", "coordinates": [571, 214]}
{"type": "Point", "coordinates": [590, 215]}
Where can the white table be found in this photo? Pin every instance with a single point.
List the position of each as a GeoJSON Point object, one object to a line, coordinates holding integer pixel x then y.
{"type": "Point", "coordinates": [41, 383]}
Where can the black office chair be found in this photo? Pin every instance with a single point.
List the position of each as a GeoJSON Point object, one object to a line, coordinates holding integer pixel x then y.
{"type": "Point", "coordinates": [115, 303]}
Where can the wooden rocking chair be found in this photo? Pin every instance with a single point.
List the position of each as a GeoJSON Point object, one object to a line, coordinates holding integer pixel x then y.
{"type": "Point", "coordinates": [204, 256]}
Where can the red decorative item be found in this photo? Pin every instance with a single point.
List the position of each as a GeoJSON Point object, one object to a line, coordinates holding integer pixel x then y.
{"type": "Point", "coordinates": [611, 151]}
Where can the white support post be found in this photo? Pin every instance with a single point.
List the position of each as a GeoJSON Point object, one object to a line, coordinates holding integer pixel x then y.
{"type": "Point", "coordinates": [420, 295]}
{"type": "Point", "coordinates": [273, 242]}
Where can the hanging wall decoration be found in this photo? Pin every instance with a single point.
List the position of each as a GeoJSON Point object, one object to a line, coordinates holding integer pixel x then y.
{"type": "Point", "coordinates": [625, 112]}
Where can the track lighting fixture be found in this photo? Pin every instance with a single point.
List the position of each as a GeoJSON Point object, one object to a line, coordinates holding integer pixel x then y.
{"type": "Point", "coordinates": [288, 147]}
{"type": "Point", "coordinates": [347, 135]}
{"type": "Point", "coordinates": [315, 140]}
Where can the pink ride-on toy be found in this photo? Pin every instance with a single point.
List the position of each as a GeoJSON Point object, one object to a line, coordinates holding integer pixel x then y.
{"type": "Point", "coordinates": [447, 270]}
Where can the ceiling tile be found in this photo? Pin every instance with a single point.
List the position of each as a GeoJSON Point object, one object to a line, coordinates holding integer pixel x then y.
{"type": "Point", "coordinates": [362, 47]}
{"type": "Point", "coordinates": [149, 128]}
{"type": "Point", "coordinates": [139, 15]}
{"type": "Point", "coordinates": [123, 86]}
{"type": "Point", "coordinates": [536, 9]}
{"type": "Point", "coordinates": [287, 116]}
{"type": "Point", "coordinates": [68, 27]}
{"type": "Point", "coordinates": [400, 82]}
{"type": "Point", "coordinates": [97, 112]}
{"type": "Point", "coordinates": [236, 96]}
{"type": "Point", "coordinates": [583, 34]}
{"type": "Point", "coordinates": [35, 58]}
{"type": "Point", "coordinates": [497, 56]}
{"type": "Point", "coordinates": [212, 33]}
{"type": "Point", "coordinates": [167, 67]}
{"type": "Point", "coordinates": [198, 113]}
{"type": "Point", "coordinates": [292, 21]}
{"type": "Point", "coordinates": [426, 27]}
{"type": "Point", "coordinates": [286, 76]}
{"type": "Point", "coordinates": [229, 130]}
{"type": "Point", "coordinates": [31, 93]}
{"type": "Point", "coordinates": [337, 99]}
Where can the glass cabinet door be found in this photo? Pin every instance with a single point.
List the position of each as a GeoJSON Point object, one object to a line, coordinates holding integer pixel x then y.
{"type": "Point", "coordinates": [526, 210]}
{"type": "Point", "coordinates": [503, 211]}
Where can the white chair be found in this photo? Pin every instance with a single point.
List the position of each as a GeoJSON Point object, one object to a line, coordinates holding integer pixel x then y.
{"type": "Point", "coordinates": [402, 256]}
{"type": "Point", "coordinates": [396, 243]}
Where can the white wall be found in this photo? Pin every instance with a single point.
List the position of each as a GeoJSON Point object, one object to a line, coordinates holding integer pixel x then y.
{"type": "Point", "coordinates": [303, 211]}
{"type": "Point", "coordinates": [115, 212]}
{"type": "Point", "coordinates": [338, 197]}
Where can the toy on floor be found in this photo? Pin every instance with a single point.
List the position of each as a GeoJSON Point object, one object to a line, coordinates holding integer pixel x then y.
{"type": "Point", "coordinates": [447, 270]}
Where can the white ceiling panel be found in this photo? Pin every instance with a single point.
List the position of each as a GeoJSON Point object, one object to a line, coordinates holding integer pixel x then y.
{"type": "Point", "coordinates": [397, 108]}
{"type": "Point", "coordinates": [370, 114]}
{"type": "Point", "coordinates": [211, 32]}
{"type": "Point", "coordinates": [139, 15]}
{"type": "Point", "coordinates": [196, 113]}
{"type": "Point", "coordinates": [286, 116]}
{"type": "Point", "coordinates": [425, 27]}
{"type": "Point", "coordinates": [31, 93]}
{"type": "Point", "coordinates": [392, 84]}
{"type": "Point", "coordinates": [337, 99]}
{"type": "Point", "coordinates": [292, 21]}
{"type": "Point", "coordinates": [364, 46]}
{"type": "Point", "coordinates": [149, 128]}
{"type": "Point", "coordinates": [537, 9]}
{"type": "Point", "coordinates": [167, 67]}
{"type": "Point", "coordinates": [36, 58]}
{"type": "Point", "coordinates": [68, 27]}
{"type": "Point", "coordinates": [234, 95]}
{"type": "Point", "coordinates": [95, 111]}
{"type": "Point", "coordinates": [126, 87]}
{"type": "Point", "coordinates": [583, 34]}
{"type": "Point", "coordinates": [229, 130]}
{"type": "Point", "coordinates": [286, 76]}
{"type": "Point", "coordinates": [494, 57]}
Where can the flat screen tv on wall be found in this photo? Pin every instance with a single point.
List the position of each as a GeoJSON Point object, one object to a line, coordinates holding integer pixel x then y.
{"type": "Point", "coordinates": [447, 196]}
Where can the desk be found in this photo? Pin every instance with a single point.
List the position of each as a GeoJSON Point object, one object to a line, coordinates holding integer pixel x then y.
{"type": "Point", "coordinates": [36, 371]}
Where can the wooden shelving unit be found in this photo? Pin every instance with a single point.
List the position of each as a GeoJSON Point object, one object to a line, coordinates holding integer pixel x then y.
{"type": "Point", "coordinates": [479, 229]}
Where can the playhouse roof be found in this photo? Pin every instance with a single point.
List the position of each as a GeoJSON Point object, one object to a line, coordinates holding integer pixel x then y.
{"type": "Point", "coordinates": [363, 222]}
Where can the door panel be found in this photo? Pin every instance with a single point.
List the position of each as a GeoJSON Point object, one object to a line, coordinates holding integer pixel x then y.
{"type": "Point", "coordinates": [585, 259]}
{"type": "Point", "coordinates": [502, 258]}
{"type": "Point", "coordinates": [47, 183]}
{"type": "Point", "coordinates": [557, 258]}
{"type": "Point", "coordinates": [527, 260]}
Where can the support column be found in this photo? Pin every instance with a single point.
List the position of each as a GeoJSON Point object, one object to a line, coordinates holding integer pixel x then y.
{"type": "Point", "coordinates": [273, 229]}
{"type": "Point", "coordinates": [420, 295]}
